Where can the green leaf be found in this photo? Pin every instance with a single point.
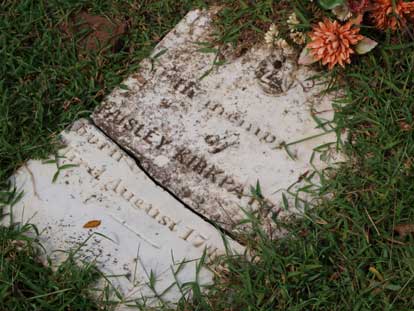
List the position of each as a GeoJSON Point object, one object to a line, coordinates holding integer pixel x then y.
{"type": "Point", "coordinates": [285, 202]}
{"type": "Point", "coordinates": [306, 58]}
{"type": "Point", "coordinates": [330, 4]}
{"type": "Point", "coordinates": [208, 50]}
{"type": "Point", "coordinates": [365, 45]}
{"type": "Point", "coordinates": [68, 166]}
{"type": "Point", "coordinates": [159, 54]}
{"type": "Point", "coordinates": [55, 176]}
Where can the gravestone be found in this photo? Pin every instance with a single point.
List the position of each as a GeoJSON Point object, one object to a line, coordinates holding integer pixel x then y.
{"type": "Point", "coordinates": [208, 133]}
{"type": "Point", "coordinates": [137, 231]}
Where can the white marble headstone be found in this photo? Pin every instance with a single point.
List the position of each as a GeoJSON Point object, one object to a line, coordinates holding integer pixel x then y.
{"type": "Point", "coordinates": [208, 139]}
{"type": "Point", "coordinates": [146, 230]}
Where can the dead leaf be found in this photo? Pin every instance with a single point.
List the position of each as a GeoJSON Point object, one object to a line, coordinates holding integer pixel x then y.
{"type": "Point", "coordinates": [92, 224]}
{"type": "Point", "coordinates": [405, 126]}
{"type": "Point", "coordinates": [377, 274]}
{"type": "Point", "coordinates": [70, 102]}
{"type": "Point", "coordinates": [404, 229]}
{"type": "Point", "coordinates": [335, 276]}
{"type": "Point", "coordinates": [321, 221]}
{"type": "Point", "coordinates": [96, 31]}
{"type": "Point", "coordinates": [303, 233]}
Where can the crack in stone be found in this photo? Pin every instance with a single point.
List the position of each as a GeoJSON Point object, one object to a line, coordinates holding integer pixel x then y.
{"type": "Point", "coordinates": [157, 183]}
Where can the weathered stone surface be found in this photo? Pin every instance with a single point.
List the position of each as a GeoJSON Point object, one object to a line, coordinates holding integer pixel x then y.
{"type": "Point", "coordinates": [208, 140]}
{"type": "Point", "coordinates": [146, 229]}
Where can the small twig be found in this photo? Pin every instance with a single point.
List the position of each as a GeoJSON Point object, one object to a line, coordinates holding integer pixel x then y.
{"type": "Point", "coordinates": [393, 241]}
{"type": "Point", "coordinates": [36, 194]}
{"type": "Point", "coordinates": [373, 223]}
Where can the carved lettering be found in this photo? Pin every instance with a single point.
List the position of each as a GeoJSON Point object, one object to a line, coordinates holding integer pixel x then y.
{"type": "Point", "coordinates": [212, 173]}
{"type": "Point", "coordinates": [105, 106]}
{"type": "Point", "coordinates": [227, 180]}
{"type": "Point", "coordinates": [113, 114]}
{"type": "Point", "coordinates": [219, 107]}
{"type": "Point", "coordinates": [211, 251]}
{"type": "Point", "coordinates": [189, 89]}
{"type": "Point", "coordinates": [235, 118]}
{"type": "Point", "coordinates": [268, 138]}
{"type": "Point", "coordinates": [131, 124]}
{"type": "Point", "coordinates": [185, 87]}
{"type": "Point", "coordinates": [126, 194]}
{"type": "Point", "coordinates": [172, 226]}
{"type": "Point", "coordinates": [112, 185]}
{"type": "Point", "coordinates": [102, 145]}
{"type": "Point", "coordinates": [249, 127]}
{"type": "Point", "coordinates": [149, 208]}
{"type": "Point", "coordinates": [238, 190]}
{"type": "Point", "coordinates": [200, 166]}
{"type": "Point", "coordinates": [95, 172]}
{"type": "Point", "coordinates": [199, 240]}
{"type": "Point", "coordinates": [139, 203]}
{"type": "Point", "coordinates": [92, 139]}
{"type": "Point", "coordinates": [155, 214]}
{"type": "Point", "coordinates": [212, 139]}
{"type": "Point", "coordinates": [178, 84]}
{"type": "Point", "coordinates": [181, 155]}
{"type": "Point", "coordinates": [165, 221]}
{"type": "Point", "coordinates": [191, 161]}
{"type": "Point", "coordinates": [119, 120]}
{"type": "Point", "coordinates": [117, 186]}
{"type": "Point", "coordinates": [164, 142]}
{"type": "Point", "coordinates": [187, 233]}
{"type": "Point", "coordinates": [82, 130]}
{"type": "Point", "coordinates": [137, 130]}
{"type": "Point", "coordinates": [116, 154]}
{"type": "Point", "coordinates": [147, 138]}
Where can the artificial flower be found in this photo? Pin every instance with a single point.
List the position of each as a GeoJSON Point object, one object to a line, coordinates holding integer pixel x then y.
{"type": "Point", "coordinates": [272, 40]}
{"type": "Point", "coordinates": [342, 12]}
{"type": "Point", "coordinates": [271, 35]}
{"type": "Point", "coordinates": [358, 6]}
{"type": "Point", "coordinates": [296, 35]}
{"type": "Point", "coordinates": [387, 16]}
{"type": "Point", "coordinates": [332, 43]}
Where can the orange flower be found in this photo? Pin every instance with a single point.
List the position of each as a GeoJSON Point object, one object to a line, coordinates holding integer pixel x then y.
{"type": "Point", "coordinates": [385, 15]}
{"type": "Point", "coordinates": [331, 42]}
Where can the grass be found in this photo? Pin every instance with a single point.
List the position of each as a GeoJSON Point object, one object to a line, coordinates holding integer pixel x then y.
{"type": "Point", "coordinates": [46, 83]}
{"type": "Point", "coordinates": [28, 284]}
{"type": "Point", "coordinates": [30, 281]}
{"type": "Point", "coordinates": [345, 254]}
